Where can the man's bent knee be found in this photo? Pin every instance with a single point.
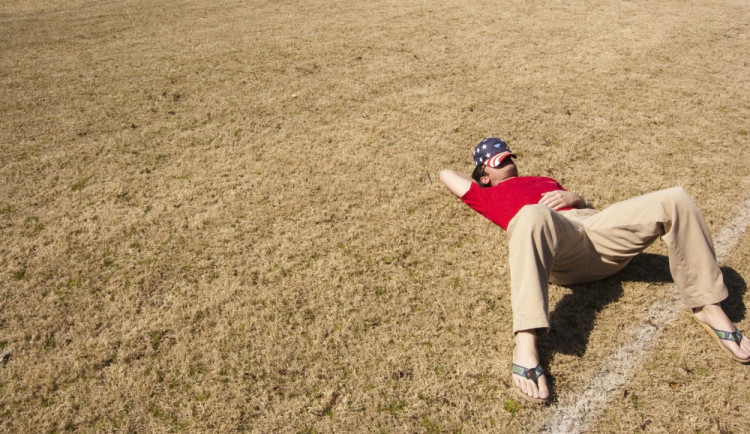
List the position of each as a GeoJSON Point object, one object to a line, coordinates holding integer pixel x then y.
{"type": "Point", "coordinates": [532, 219]}
{"type": "Point", "coordinates": [534, 215]}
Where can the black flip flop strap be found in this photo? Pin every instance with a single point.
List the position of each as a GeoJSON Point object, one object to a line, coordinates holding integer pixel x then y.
{"type": "Point", "coordinates": [735, 336]}
{"type": "Point", "coordinates": [531, 374]}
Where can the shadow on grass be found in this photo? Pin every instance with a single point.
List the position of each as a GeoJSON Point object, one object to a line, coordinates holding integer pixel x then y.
{"type": "Point", "coordinates": [572, 319]}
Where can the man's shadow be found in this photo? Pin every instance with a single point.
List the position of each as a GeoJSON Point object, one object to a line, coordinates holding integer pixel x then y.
{"type": "Point", "coordinates": [572, 319]}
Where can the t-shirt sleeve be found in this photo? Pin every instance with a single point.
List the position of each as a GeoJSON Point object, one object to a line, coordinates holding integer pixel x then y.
{"type": "Point", "coordinates": [476, 198]}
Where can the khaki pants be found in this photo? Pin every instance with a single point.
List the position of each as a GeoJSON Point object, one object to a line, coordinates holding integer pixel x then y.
{"type": "Point", "coordinates": [579, 246]}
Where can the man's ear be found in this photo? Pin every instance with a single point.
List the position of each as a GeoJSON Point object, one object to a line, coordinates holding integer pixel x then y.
{"type": "Point", "coordinates": [484, 181]}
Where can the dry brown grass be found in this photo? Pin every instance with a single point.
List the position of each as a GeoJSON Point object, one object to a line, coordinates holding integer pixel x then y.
{"type": "Point", "coordinates": [219, 215]}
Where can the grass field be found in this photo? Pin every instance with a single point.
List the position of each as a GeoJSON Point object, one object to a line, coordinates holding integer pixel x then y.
{"type": "Point", "coordinates": [225, 215]}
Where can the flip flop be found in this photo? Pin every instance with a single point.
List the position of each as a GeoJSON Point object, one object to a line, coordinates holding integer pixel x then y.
{"type": "Point", "coordinates": [721, 335]}
{"type": "Point", "coordinates": [532, 374]}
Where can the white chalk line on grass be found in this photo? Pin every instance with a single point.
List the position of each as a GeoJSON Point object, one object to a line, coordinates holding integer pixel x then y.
{"type": "Point", "coordinates": [615, 371]}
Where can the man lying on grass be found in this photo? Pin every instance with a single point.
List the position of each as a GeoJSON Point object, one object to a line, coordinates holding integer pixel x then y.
{"type": "Point", "coordinates": [555, 236]}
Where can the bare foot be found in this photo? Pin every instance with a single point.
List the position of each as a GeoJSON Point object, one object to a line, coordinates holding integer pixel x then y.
{"type": "Point", "coordinates": [525, 354]}
{"type": "Point", "coordinates": [713, 315]}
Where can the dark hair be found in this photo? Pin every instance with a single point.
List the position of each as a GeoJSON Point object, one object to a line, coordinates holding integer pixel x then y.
{"type": "Point", "coordinates": [477, 175]}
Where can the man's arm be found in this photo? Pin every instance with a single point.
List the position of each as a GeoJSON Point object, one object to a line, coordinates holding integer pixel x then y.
{"type": "Point", "coordinates": [457, 183]}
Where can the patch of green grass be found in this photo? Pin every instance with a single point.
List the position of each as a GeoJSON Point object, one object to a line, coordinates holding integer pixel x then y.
{"type": "Point", "coordinates": [155, 337]}
{"type": "Point", "coordinates": [197, 370]}
{"type": "Point", "coordinates": [18, 274]}
{"type": "Point", "coordinates": [511, 406]}
{"type": "Point", "coordinates": [430, 426]}
{"type": "Point", "coordinates": [81, 183]}
{"type": "Point", "coordinates": [440, 370]}
{"type": "Point", "coordinates": [394, 408]}
{"type": "Point", "coordinates": [491, 303]}
{"type": "Point", "coordinates": [35, 225]}
{"type": "Point", "coordinates": [702, 371]}
{"type": "Point", "coordinates": [61, 294]}
{"type": "Point", "coordinates": [637, 404]}
{"type": "Point", "coordinates": [155, 410]}
{"type": "Point", "coordinates": [7, 209]}
{"type": "Point", "coordinates": [202, 396]}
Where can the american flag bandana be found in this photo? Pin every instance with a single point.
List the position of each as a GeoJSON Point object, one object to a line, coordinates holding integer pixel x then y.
{"type": "Point", "coordinates": [491, 151]}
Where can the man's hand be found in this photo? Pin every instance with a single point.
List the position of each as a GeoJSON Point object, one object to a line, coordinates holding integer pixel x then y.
{"type": "Point", "coordinates": [561, 199]}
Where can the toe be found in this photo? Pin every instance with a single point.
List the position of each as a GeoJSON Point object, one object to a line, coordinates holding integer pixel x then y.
{"type": "Point", "coordinates": [533, 390]}
{"type": "Point", "coordinates": [526, 386]}
{"type": "Point", "coordinates": [741, 350]}
{"type": "Point", "coordinates": [543, 389]}
{"type": "Point", "coordinates": [744, 352]}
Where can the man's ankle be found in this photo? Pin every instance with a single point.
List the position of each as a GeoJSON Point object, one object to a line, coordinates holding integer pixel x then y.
{"type": "Point", "coordinates": [525, 337]}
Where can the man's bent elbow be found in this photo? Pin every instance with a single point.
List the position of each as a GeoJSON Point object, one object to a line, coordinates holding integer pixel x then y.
{"type": "Point", "coordinates": [456, 183]}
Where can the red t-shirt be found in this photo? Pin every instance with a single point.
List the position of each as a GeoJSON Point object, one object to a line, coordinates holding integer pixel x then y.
{"type": "Point", "coordinates": [502, 202]}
